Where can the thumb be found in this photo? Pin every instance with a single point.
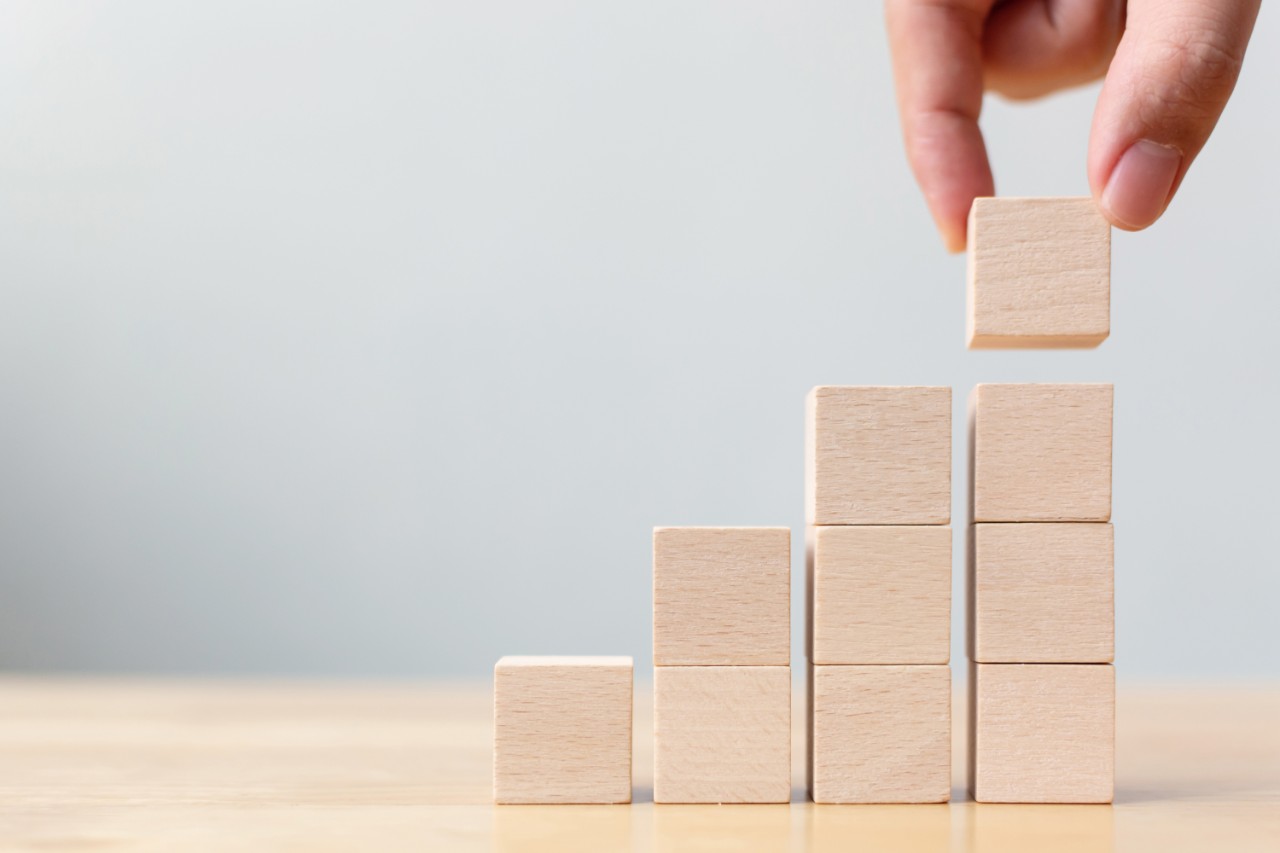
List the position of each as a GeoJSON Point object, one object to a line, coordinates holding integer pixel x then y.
{"type": "Point", "coordinates": [1173, 72]}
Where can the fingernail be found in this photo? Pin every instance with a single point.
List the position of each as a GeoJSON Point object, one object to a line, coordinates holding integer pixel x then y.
{"type": "Point", "coordinates": [1139, 187]}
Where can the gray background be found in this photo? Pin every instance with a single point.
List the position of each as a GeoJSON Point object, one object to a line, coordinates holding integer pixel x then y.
{"type": "Point", "coordinates": [374, 339]}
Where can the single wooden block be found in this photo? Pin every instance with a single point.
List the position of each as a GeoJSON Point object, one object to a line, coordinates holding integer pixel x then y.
{"type": "Point", "coordinates": [878, 455]}
{"type": "Point", "coordinates": [1043, 733]}
{"type": "Point", "coordinates": [1039, 273]}
{"type": "Point", "coordinates": [880, 734]}
{"type": "Point", "coordinates": [562, 730]}
{"type": "Point", "coordinates": [1041, 452]}
{"type": "Point", "coordinates": [1042, 593]}
{"type": "Point", "coordinates": [879, 595]}
{"type": "Point", "coordinates": [722, 734]}
{"type": "Point", "coordinates": [722, 596]}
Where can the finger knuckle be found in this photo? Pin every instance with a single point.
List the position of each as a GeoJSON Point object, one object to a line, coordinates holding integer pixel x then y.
{"type": "Point", "coordinates": [1191, 75]}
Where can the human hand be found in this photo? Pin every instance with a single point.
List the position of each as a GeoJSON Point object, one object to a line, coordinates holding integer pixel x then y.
{"type": "Point", "coordinates": [1169, 67]}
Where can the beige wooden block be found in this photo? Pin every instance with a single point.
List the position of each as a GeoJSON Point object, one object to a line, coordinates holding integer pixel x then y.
{"type": "Point", "coordinates": [1039, 273]}
{"type": "Point", "coordinates": [562, 730]}
{"type": "Point", "coordinates": [879, 595]}
{"type": "Point", "coordinates": [878, 455]}
{"type": "Point", "coordinates": [1043, 733]}
{"type": "Point", "coordinates": [1041, 452]}
{"type": "Point", "coordinates": [880, 734]}
{"type": "Point", "coordinates": [722, 734]}
{"type": "Point", "coordinates": [722, 596]}
{"type": "Point", "coordinates": [1042, 593]}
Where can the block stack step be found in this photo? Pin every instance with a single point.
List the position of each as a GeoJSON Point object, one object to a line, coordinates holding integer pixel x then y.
{"type": "Point", "coordinates": [1040, 588]}
{"type": "Point", "coordinates": [722, 664]}
{"type": "Point", "coordinates": [878, 594]}
{"type": "Point", "coordinates": [562, 729]}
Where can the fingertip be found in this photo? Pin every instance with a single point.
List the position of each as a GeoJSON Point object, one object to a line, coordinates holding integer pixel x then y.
{"type": "Point", "coordinates": [954, 240]}
{"type": "Point", "coordinates": [1140, 185]}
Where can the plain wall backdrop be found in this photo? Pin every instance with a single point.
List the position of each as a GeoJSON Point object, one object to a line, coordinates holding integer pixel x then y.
{"type": "Point", "coordinates": [374, 339]}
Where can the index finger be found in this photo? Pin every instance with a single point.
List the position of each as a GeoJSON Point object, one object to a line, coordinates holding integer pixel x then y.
{"type": "Point", "coordinates": [937, 67]}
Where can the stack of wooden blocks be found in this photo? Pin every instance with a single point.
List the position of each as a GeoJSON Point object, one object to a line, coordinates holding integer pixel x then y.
{"type": "Point", "coordinates": [1040, 562]}
{"type": "Point", "coordinates": [1040, 581]}
{"type": "Point", "coordinates": [1040, 595]}
{"type": "Point", "coordinates": [722, 664]}
{"type": "Point", "coordinates": [878, 506]}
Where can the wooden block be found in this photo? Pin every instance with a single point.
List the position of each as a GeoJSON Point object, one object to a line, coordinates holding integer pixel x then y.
{"type": "Point", "coordinates": [722, 734]}
{"type": "Point", "coordinates": [878, 455]}
{"type": "Point", "coordinates": [1043, 733]}
{"type": "Point", "coordinates": [880, 734]}
{"type": "Point", "coordinates": [879, 595]}
{"type": "Point", "coordinates": [1039, 273]}
{"type": "Point", "coordinates": [722, 596]}
{"type": "Point", "coordinates": [1042, 593]}
{"type": "Point", "coordinates": [1041, 452]}
{"type": "Point", "coordinates": [562, 730]}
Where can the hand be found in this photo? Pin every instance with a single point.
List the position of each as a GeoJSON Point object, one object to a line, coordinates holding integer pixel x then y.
{"type": "Point", "coordinates": [1169, 68]}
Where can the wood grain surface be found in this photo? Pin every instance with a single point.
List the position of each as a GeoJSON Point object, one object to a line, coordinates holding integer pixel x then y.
{"type": "Point", "coordinates": [1041, 452]}
{"type": "Point", "coordinates": [114, 764]}
{"type": "Point", "coordinates": [880, 734]}
{"type": "Point", "coordinates": [1039, 273]}
{"type": "Point", "coordinates": [1043, 733]}
{"type": "Point", "coordinates": [1042, 593]}
{"type": "Point", "coordinates": [562, 730]}
{"type": "Point", "coordinates": [879, 595]}
{"type": "Point", "coordinates": [878, 455]}
{"type": "Point", "coordinates": [722, 596]}
{"type": "Point", "coordinates": [722, 734]}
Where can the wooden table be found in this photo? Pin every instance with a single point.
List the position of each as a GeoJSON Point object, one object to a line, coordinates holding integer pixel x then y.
{"type": "Point", "coordinates": [195, 765]}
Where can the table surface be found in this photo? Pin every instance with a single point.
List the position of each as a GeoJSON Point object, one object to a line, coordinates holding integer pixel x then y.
{"type": "Point", "coordinates": [105, 764]}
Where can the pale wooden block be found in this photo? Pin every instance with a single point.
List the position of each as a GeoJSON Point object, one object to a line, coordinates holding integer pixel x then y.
{"type": "Point", "coordinates": [1039, 273]}
{"type": "Point", "coordinates": [562, 730]}
{"type": "Point", "coordinates": [880, 734]}
{"type": "Point", "coordinates": [722, 596]}
{"type": "Point", "coordinates": [1043, 733]}
{"type": "Point", "coordinates": [1042, 593]}
{"type": "Point", "coordinates": [722, 734]}
{"type": "Point", "coordinates": [878, 455]}
{"type": "Point", "coordinates": [879, 595]}
{"type": "Point", "coordinates": [1041, 452]}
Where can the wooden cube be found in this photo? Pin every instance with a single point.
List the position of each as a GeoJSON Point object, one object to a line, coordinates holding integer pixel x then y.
{"type": "Point", "coordinates": [1039, 273]}
{"type": "Point", "coordinates": [1042, 733]}
{"type": "Point", "coordinates": [880, 734]}
{"type": "Point", "coordinates": [722, 734]}
{"type": "Point", "coordinates": [1041, 452]}
{"type": "Point", "coordinates": [722, 596]}
{"type": "Point", "coordinates": [562, 730]}
{"type": "Point", "coordinates": [878, 455]}
{"type": "Point", "coordinates": [1042, 593]}
{"type": "Point", "coordinates": [879, 595]}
